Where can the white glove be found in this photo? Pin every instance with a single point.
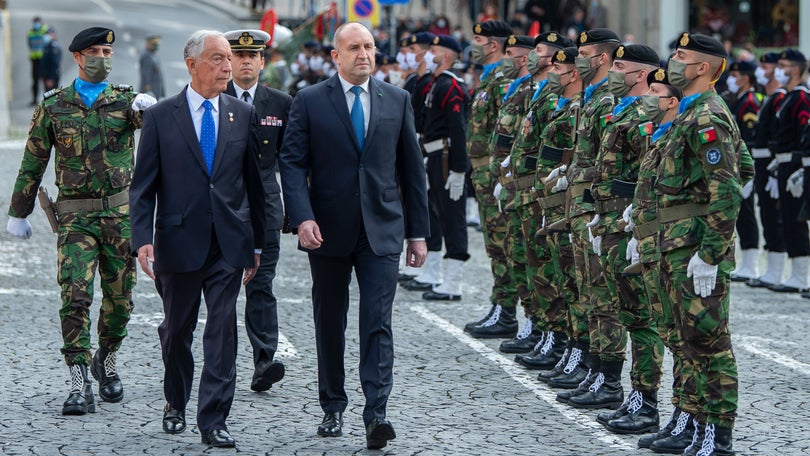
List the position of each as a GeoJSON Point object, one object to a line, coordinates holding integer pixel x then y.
{"type": "Point", "coordinates": [748, 189]}
{"type": "Point", "coordinates": [627, 219]}
{"type": "Point", "coordinates": [773, 166]}
{"type": "Point", "coordinates": [562, 184]}
{"type": "Point", "coordinates": [508, 174]}
{"type": "Point", "coordinates": [554, 173]}
{"type": "Point", "coordinates": [795, 183]}
{"type": "Point", "coordinates": [427, 182]}
{"type": "Point", "coordinates": [773, 187]}
{"type": "Point", "coordinates": [704, 275]}
{"type": "Point", "coordinates": [19, 227]}
{"type": "Point", "coordinates": [597, 245]}
{"type": "Point", "coordinates": [632, 251]}
{"type": "Point", "coordinates": [506, 162]}
{"type": "Point", "coordinates": [543, 223]}
{"type": "Point", "coordinates": [143, 101]}
{"type": "Point", "coordinates": [497, 191]}
{"type": "Point", "coordinates": [455, 185]}
{"type": "Point", "coordinates": [596, 241]}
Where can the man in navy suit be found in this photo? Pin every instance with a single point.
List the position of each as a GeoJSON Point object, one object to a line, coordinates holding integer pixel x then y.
{"type": "Point", "coordinates": [354, 187]}
{"type": "Point", "coordinates": [198, 163]}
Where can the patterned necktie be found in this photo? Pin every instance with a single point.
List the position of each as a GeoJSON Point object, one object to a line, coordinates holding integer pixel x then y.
{"type": "Point", "coordinates": [358, 118]}
{"type": "Point", "coordinates": [246, 96]}
{"type": "Point", "coordinates": [208, 136]}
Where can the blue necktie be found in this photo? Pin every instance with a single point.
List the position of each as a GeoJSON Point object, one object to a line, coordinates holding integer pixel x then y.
{"type": "Point", "coordinates": [208, 136]}
{"type": "Point", "coordinates": [358, 118]}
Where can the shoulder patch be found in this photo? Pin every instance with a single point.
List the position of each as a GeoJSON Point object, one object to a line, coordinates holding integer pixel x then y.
{"type": "Point", "coordinates": [713, 156]}
{"type": "Point", "coordinates": [749, 117]}
{"type": "Point", "coordinates": [503, 88]}
{"type": "Point", "coordinates": [646, 128]}
{"type": "Point", "coordinates": [707, 135]}
{"type": "Point", "coordinates": [51, 93]}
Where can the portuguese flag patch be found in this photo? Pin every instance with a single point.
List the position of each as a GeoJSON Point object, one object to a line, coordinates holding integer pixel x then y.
{"type": "Point", "coordinates": [605, 119]}
{"type": "Point", "coordinates": [707, 135]}
{"type": "Point", "coordinates": [646, 128]}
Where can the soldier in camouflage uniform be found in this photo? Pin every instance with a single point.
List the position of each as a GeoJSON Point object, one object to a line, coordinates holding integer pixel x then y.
{"type": "Point", "coordinates": [513, 108]}
{"type": "Point", "coordinates": [91, 125]}
{"type": "Point", "coordinates": [699, 182]}
{"type": "Point", "coordinates": [487, 50]}
{"type": "Point", "coordinates": [595, 56]}
{"type": "Point", "coordinates": [523, 164]}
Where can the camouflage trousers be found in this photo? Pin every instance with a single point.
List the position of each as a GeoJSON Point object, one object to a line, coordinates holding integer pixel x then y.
{"type": "Point", "coordinates": [661, 308]}
{"type": "Point", "coordinates": [515, 252]}
{"type": "Point", "coordinates": [562, 255]}
{"type": "Point", "coordinates": [551, 307]}
{"type": "Point", "coordinates": [587, 277]}
{"type": "Point", "coordinates": [493, 225]}
{"type": "Point", "coordinates": [710, 369]}
{"type": "Point", "coordinates": [83, 245]}
{"type": "Point", "coordinates": [633, 313]}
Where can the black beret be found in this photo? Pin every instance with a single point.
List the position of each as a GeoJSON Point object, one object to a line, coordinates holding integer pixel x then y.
{"type": "Point", "coordinates": [493, 28]}
{"type": "Point", "coordinates": [328, 48]}
{"type": "Point", "coordinates": [567, 55]}
{"type": "Point", "coordinates": [701, 43]}
{"type": "Point", "coordinates": [90, 37]}
{"type": "Point", "coordinates": [639, 53]}
{"type": "Point", "coordinates": [247, 40]}
{"type": "Point", "coordinates": [311, 44]}
{"type": "Point", "coordinates": [743, 67]}
{"type": "Point", "coordinates": [422, 38]}
{"type": "Point", "coordinates": [769, 57]}
{"type": "Point", "coordinates": [793, 55]}
{"type": "Point", "coordinates": [660, 76]}
{"type": "Point", "coordinates": [522, 41]}
{"type": "Point", "coordinates": [553, 39]}
{"type": "Point", "coordinates": [448, 42]}
{"type": "Point", "coordinates": [597, 35]}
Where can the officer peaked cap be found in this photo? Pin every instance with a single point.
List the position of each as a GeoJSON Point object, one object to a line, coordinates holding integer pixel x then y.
{"type": "Point", "coordinates": [247, 40]}
{"type": "Point", "coordinates": [793, 55]}
{"type": "Point", "coordinates": [90, 37]}
{"type": "Point", "coordinates": [701, 43]}
{"type": "Point", "coordinates": [493, 28]}
{"type": "Point", "coordinates": [567, 55]}
{"type": "Point", "coordinates": [553, 39]}
{"type": "Point", "coordinates": [743, 67]}
{"type": "Point", "coordinates": [597, 35]}
{"type": "Point", "coordinates": [638, 53]}
{"type": "Point", "coordinates": [521, 41]}
{"type": "Point", "coordinates": [448, 42]}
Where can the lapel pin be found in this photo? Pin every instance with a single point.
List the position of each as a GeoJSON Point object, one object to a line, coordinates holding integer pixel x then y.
{"type": "Point", "coordinates": [379, 94]}
{"type": "Point", "coordinates": [230, 117]}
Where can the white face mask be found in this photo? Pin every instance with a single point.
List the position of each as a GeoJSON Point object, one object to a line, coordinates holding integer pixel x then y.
{"type": "Point", "coordinates": [780, 76]}
{"type": "Point", "coordinates": [429, 63]}
{"type": "Point", "coordinates": [410, 59]}
{"type": "Point", "coordinates": [731, 82]}
{"type": "Point", "coordinates": [395, 77]}
{"type": "Point", "coordinates": [379, 75]}
{"type": "Point", "coordinates": [760, 75]}
{"type": "Point", "coordinates": [401, 59]}
{"type": "Point", "coordinates": [316, 63]}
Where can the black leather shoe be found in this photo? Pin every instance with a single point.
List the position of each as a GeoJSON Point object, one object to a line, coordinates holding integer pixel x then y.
{"type": "Point", "coordinates": [553, 349]}
{"type": "Point", "coordinates": [80, 400]}
{"type": "Point", "coordinates": [757, 283]}
{"type": "Point", "coordinates": [469, 326]}
{"type": "Point", "coordinates": [436, 296]}
{"type": "Point", "coordinates": [266, 374]}
{"type": "Point", "coordinates": [606, 390]}
{"type": "Point", "coordinates": [414, 285]}
{"type": "Point", "coordinates": [218, 438]}
{"type": "Point", "coordinates": [640, 416]}
{"type": "Point", "coordinates": [332, 425]}
{"type": "Point", "coordinates": [502, 324]}
{"type": "Point", "coordinates": [678, 439]}
{"type": "Point", "coordinates": [174, 421]}
{"type": "Point", "coordinates": [523, 345]}
{"type": "Point", "coordinates": [405, 277]}
{"type": "Point", "coordinates": [574, 371]}
{"type": "Point", "coordinates": [781, 288]}
{"type": "Point", "coordinates": [647, 440]}
{"type": "Point", "coordinates": [378, 433]}
{"type": "Point", "coordinates": [103, 368]}
{"type": "Point", "coordinates": [559, 368]}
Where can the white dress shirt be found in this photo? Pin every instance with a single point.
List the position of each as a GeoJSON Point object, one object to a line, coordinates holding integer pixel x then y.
{"type": "Point", "coordinates": [365, 98]}
{"type": "Point", "coordinates": [195, 105]}
{"type": "Point", "coordinates": [251, 91]}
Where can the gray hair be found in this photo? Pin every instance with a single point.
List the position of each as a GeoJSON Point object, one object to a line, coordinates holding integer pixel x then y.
{"type": "Point", "coordinates": [196, 43]}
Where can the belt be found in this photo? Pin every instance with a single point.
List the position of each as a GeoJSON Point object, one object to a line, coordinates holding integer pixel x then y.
{"type": "Point", "coordinates": [578, 189]}
{"type": "Point", "coordinates": [670, 214]}
{"type": "Point", "coordinates": [805, 161]}
{"type": "Point", "coordinates": [438, 144]}
{"type": "Point", "coordinates": [478, 162]}
{"type": "Point", "coordinates": [646, 229]}
{"type": "Point", "coordinates": [525, 182]}
{"type": "Point", "coordinates": [784, 157]}
{"type": "Point", "coordinates": [93, 204]}
{"type": "Point", "coordinates": [615, 204]}
{"type": "Point", "coordinates": [555, 200]}
{"type": "Point", "coordinates": [761, 152]}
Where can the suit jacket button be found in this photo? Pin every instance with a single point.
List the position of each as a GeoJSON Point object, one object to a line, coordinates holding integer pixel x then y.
{"type": "Point", "coordinates": [265, 142]}
{"type": "Point", "coordinates": [210, 185]}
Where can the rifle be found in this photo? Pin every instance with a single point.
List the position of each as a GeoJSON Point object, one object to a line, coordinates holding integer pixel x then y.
{"type": "Point", "coordinates": [47, 205]}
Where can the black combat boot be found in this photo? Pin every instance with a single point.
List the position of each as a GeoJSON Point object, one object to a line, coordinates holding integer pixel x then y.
{"type": "Point", "coordinates": [603, 417]}
{"type": "Point", "coordinates": [640, 417]}
{"type": "Point", "coordinates": [574, 372]}
{"type": "Point", "coordinates": [105, 372]}
{"type": "Point", "coordinates": [549, 355]}
{"type": "Point", "coordinates": [469, 326]}
{"type": "Point", "coordinates": [80, 400]}
{"type": "Point", "coordinates": [606, 390]}
{"type": "Point", "coordinates": [679, 438]}
{"type": "Point", "coordinates": [545, 376]}
{"type": "Point", "coordinates": [666, 431]}
{"type": "Point", "coordinates": [502, 324]}
{"type": "Point", "coordinates": [711, 440]}
{"type": "Point", "coordinates": [525, 340]}
{"type": "Point", "coordinates": [593, 372]}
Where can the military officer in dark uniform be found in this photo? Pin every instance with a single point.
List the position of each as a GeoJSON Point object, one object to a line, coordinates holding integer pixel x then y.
{"type": "Point", "coordinates": [272, 107]}
{"type": "Point", "coordinates": [443, 139]}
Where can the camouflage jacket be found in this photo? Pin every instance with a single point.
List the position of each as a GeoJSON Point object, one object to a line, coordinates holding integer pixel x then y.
{"type": "Point", "coordinates": [596, 111]}
{"type": "Point", "coordinates": [624, 142]}
{"type": "Point", "coordinates": [512, 112]}
{"type": "Point", "coordinates": [559, 134]}
{"type": "Point", "coordinates": [484, 113]}
{"type": "Point", "coordinates": [645, 200]}
{"type": "Point", "coordinates": [705, 163]}
{"type": "Point", "coordinates": [94, 147]}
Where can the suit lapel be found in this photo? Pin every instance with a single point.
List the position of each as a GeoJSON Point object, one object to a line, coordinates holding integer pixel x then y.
{"type": "Point", "coordinates": [375, 102]}
{"type": "Point", "coordinates": [225, 121]}
{"type": "Point", "coordinates": [182, 116]}
{"type": "Point", "coordinates": [338, 99]}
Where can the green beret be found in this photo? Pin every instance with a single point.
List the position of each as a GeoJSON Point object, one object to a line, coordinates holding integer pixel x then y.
{"type": "Point", "coordinates": [91, 37]}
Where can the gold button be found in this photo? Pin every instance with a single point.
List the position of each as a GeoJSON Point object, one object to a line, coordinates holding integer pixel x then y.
{"type": "Point", "coordinates": [265, 141]}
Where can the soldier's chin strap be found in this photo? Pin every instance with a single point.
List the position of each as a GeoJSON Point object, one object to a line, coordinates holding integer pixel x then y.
{"type": "Point", "coordinates": [720, 72]}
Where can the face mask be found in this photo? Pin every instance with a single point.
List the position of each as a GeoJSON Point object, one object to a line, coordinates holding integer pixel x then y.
{"type": "Point", "coordinates": [652, 107]}
{"type": "Point", "coordinates": [780, 76]}
{"type": "Point", "coordinates": [37, 25]}
{"type": "Point", "coordinates": [395, 77]}
{"type": "Point", "coordinates": [97, 68]}
{"type": "Point", "coordinates": [584, 67]}
{"type": "Point", "coordinates": [154, 47]}
{"type": "Point", "coordinates": [46, 38]}
{"type": "Point", "coordinates": [379, 75]}
{"type": "Point", "coordinates": [616, 84]}
{"type": "Point", "coordinates": [441, 23]}
{"type": "Point", "coordinates": [457, 36]}
{"type": "Point", "coordinates": [760, 75]}
{"type": "Point", "coordinates": [508, 67]}
{"type": "Point", "coordinates": [555, 85]}
{"type": "Point", "coordinates": [477, 53]}
{"type": "Point", "coordinates": [410, 59]}
{"type": "Point", "coordinates": [731, 82]}
{"type": "Point", "coordinates": [468, 79]}
{"type": "Point", "coordinates": [677, 74]}
{"type": "Point", "coordinates": [430, 64]}
{"type": "Point", "coordinates": [533, 63]}
{"type": "Point", "coordinates": [401, 60]}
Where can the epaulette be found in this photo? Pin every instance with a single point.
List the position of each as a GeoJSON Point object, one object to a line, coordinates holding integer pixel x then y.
{"type": "Point", "coordinates": [802, 88]}
{"type": "Point", "coordinates": [122, 87]}
{"type": "Point", "coordinates": [452, 75]}
{"type": "Point", "coordinates": [51, 93]}
{"type": "Point", "coordinates": [607, 97]}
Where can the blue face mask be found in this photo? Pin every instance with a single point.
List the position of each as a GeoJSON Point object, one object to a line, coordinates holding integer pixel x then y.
{"type": "Point", "coordinates": [37, 25]}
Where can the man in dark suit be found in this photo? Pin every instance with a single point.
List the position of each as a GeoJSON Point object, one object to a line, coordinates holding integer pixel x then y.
{"type": "Point", "coordinates": [354, 187]}
{"type": "Point", "coordinates": [272, 106]}
{"type": "Point", "coordinates": [198, 161]}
